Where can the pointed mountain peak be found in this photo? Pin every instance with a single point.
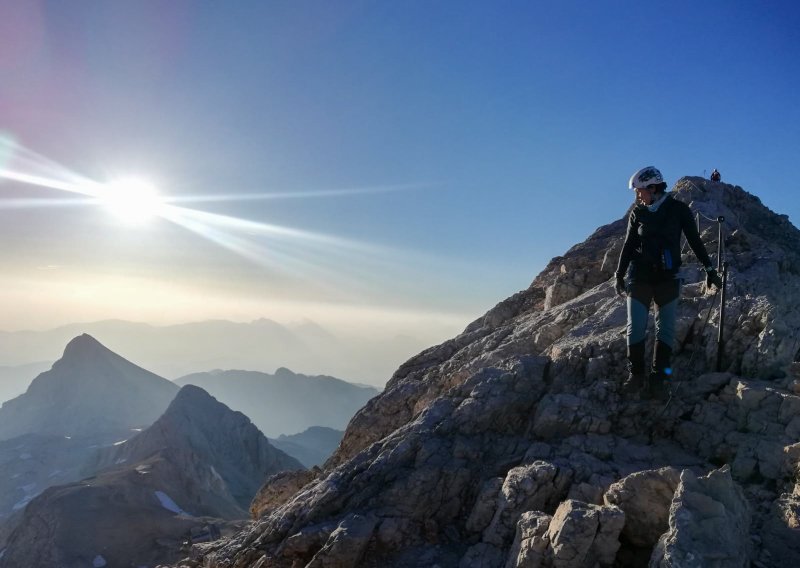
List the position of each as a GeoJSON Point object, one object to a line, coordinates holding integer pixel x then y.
{"type": "Point", "coordinates": [90, 390]}
{"type": "Point", "coordinates": [196, 424]}
{"type": "Point", "coordinates": [85, 352]}
{"type": "Point", "coordinates": [194, 412]}
{"type": "Point", "coordinates": [84, 344]}
{"type": "Point", "coordinates": [195, 400]}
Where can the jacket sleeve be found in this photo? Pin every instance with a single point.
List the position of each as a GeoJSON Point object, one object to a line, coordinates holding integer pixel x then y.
{"type": "Point", "coordinates": [693, 237]}
{"type": "Point", "coordinates": [629, 246]}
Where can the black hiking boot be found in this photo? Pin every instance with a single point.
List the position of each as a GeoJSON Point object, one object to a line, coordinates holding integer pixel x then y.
{"type": "Point", "coordinates": [658, 387]}
{"type": "Point", "coordinates": [634, 384]}
{"type": "Point", "coordinates": [662, 355]}
{"type": "Point", "coordinates": [658, 381]}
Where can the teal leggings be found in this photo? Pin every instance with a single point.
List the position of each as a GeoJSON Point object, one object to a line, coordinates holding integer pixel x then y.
{"type": "Point", "coordinates": [665, 294]}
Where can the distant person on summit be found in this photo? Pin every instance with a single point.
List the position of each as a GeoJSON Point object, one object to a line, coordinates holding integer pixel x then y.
{"type": "Point", "coordinates": [715, 175]}
{"type": "Point", "coordinates": [652, 249]}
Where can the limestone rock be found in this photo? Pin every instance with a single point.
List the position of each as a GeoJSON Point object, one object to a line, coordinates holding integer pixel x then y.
{"type": "Point", "coordinates": [583, 535]}
{"type": "Point", "coordinates": [279, 488]}
{"type": "Point", "coordinates": [781, 531]}
{"type": "Point", "coordinates": [531, 542]}
{"type": "Point", "coordinates": [537, 486]}
{"type": "Point", "coordinates": [346, 544]}
{"type": "Point", "coordinates": [475, 439]}
{"type": "Point", "coordinates": [485, 505]}
{"type": "Point", "coordinates": [645, 497]}
{"type": "Point", "coordinates": [709, 524]}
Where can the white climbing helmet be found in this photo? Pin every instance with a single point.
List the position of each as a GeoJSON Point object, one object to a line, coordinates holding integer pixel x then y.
{"type": "Point", "coordinates": [644, 177]}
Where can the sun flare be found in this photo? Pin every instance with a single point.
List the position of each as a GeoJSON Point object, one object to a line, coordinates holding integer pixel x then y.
{"type": "Point", "coordinates": [133, 201]}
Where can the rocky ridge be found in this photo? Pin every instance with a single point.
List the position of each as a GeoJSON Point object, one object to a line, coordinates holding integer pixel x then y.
{"type": "Point", "coordinates": [511, 445]}
{"type": "Point", "coordinates": [90, 398]}
{"type": "Point", "coordinates": [284, 402]}
{"type": "Point", "coordinates": [199, 431]}
{"type": "Point", "coordinates": [90, 390]}
{"type": "Point", "coordinates": [199, 464]}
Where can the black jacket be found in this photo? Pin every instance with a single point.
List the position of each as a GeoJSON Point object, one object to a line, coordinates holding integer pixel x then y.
{"type": "Point", "coordinates": [653, 242]}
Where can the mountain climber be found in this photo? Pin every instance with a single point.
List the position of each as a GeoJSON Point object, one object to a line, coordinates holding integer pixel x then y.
{"type": "Point", "coordinates": [715, 175]}
{"type": "Point", "coordinates": [652, 249]}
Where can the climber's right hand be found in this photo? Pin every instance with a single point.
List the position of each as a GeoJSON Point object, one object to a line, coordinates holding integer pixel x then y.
{"type": "Point", "coordinates": [713, 278]}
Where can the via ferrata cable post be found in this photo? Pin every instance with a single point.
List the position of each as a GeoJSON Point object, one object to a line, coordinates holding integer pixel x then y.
{"type": "Point", "coordinates": [722, 268]}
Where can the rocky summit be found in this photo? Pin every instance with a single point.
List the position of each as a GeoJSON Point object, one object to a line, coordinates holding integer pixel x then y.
{"type": "Point", "coordinates": [201, 432]}
{"type": "Point", "coordinates": [512, 445]}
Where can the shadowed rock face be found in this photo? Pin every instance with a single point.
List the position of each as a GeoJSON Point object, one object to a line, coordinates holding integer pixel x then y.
{"type": "Point", "coordinates": [197, 429]}
{"type": "Point", "coordinates": [89, 391]}
{"type": "Point", "coordinates": [199, 462]}
{"type": "Point", "coordinates": [511, 444]}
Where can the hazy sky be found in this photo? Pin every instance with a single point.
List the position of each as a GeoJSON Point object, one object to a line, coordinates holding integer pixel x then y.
{"type": "Point", "coordinates": [404, 163]}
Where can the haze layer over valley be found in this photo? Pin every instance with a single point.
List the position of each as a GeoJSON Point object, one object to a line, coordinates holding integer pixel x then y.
{"type": "Point", "coordinates": [260, 345]}
{"type": "Point", "coordinates": [102, 461]}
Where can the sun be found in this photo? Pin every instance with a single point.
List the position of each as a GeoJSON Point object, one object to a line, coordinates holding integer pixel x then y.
{"type": "Point", "coordinates": [133, 201]}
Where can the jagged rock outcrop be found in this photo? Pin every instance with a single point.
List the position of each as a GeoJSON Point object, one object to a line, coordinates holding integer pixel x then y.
{"type": "Point", "coordinates": [279, 488]}
{"type": "Point", "coordinates": [645, 497]}
{"type": "Point", "coordinates": [709, 524]}
{"type": "Point", "coordinates": [530, 548]}
{"type": "Point", "coordinates": [200, 463]}
{"type": "Point", "coordinates": [88, 392]}
{"type": "Point", "coordinates": [478, 445]}
{"type": "Point", "coordinates": [577, 535]}
{"type": "Point", "coordinates": [781, 533]}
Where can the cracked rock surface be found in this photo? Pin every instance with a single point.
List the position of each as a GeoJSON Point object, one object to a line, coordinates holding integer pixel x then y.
{"type": "Point", "coordinates": [511, 444]}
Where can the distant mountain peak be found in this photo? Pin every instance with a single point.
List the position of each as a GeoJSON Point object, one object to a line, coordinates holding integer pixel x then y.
{"type": "Point", "coordinates": [284, 373]}
{"type": "Point", "coordinates": [191, 393]}
{"type": "Point", "coordinates": [192, 400]}
{"type": "Point", "coordinates": [86, 356]}
{"type": "Point", "coordinates": [284, 402]}
{"type": "Point", "coordinates": [84, 344]}
{"type": "Point", "coordinates": [89, 391]}
{"type": "Point", "coordinates": [266, 322]}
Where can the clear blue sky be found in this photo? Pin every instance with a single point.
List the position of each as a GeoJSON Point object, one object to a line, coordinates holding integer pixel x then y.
{"type": "Point", "coordinates": [510, 128]}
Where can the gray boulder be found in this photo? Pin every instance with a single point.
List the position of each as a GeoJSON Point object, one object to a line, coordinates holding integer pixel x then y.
{"type": "Point", "coordinates": [531, 547]}
{"type": "Point", "coordinates": [584, 535]}
{"type": "Point", "coordinates": [709, 524]}
{"type": "Point", "coordinates": [645, 498]}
